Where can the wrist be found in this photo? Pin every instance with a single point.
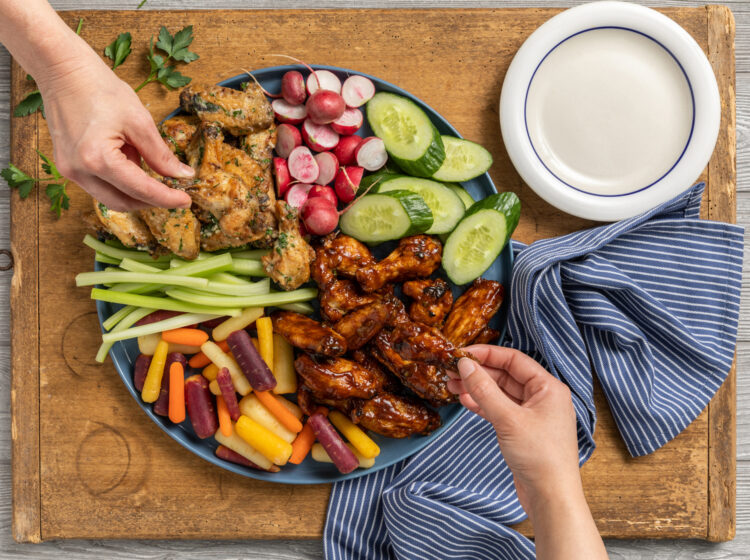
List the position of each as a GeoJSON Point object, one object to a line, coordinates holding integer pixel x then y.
{"type": "Point", "coordinates": [558, 496]}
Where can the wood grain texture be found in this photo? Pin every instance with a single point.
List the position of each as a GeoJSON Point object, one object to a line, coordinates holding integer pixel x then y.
{"type": "Point", "coordinates": [286, 550]}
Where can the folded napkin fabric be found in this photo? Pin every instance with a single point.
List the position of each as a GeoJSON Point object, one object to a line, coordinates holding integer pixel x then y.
{"type": "Point", "coordinates": [649, 305]}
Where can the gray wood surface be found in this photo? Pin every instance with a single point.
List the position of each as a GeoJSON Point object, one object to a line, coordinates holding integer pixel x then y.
{"type": "Point", "coordinates": [288, 550]}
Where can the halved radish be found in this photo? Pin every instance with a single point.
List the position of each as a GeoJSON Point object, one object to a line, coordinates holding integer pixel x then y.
{"type": "Point", "coordinates": [371, 153]}
{"type": "Point", "coordinates": [324, 192]}
{"type": "Point", "coordinates": [302, 165]}
{"type": "Point", "coordinates": [320, 137]}
{"type": "Point", "coordinates": [297, 195]}
{"type": "Point", "coordinates": [345, 149]}
{"type": "Point", "coordinates": [320, 215]}
{"type": "Point", "coordinates": [357, 90]}
{"type": "Point", "coordinates": [328, 164]}
{"type": "Point", "coordinates": [281, 172]}
{"type": "Point", "coordinates": [327, 80]}
{"type": "Point", "coordinates": [349, 122]}
{"type": "Point", "coordinates": [347, 182]}
{"type": "Point", "coordinates": [288, 138]}
{"type": "Point", "coordinates": [288, 113]}
{"type": "Point", "coordinates": [324, 107]}
{"type": "Point", "coordinates": [293, 87]}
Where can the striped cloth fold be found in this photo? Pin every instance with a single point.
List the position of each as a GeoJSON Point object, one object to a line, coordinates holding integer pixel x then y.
{"type": "Point", "coordinates": [650, 305]}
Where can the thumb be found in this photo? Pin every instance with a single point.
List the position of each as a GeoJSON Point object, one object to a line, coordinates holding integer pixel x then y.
{"type": "Point", "coordinates": [493, 403]}
{"type": "Point", "coordinates": [144, 135]}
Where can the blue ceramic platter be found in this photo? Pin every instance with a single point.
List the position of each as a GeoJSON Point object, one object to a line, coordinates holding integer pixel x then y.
{"type": "Point", "coordinates": [124, 354]}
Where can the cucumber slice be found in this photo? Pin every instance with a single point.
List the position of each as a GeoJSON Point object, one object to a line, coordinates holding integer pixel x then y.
{"type": "Point", "coordinates": [464, 160]}
{"type": "Point", "coordinates": [446, 207]}
{"type": "Point", "coordinates": [384, 216]}
{"type": "Point", "coordinates": [462, 193]}
{"type": "Point", "coordinates": [480, 237]}
{"type": "Point", "coordinates": [409, 135]}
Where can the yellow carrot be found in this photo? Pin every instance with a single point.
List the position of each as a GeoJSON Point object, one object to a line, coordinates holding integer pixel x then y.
{"type": "Point", "coordinates": [215, 354]}
{"type": "Point", "coordinates": [214, 388]}
{"type": "Point", "coordinates": [249, 315]}
{"type": "Point", "coordinates": [265, 340]}
{"type": "Point", "coordinates": [210, 371]}
{"type": "Point", "coordinates": [319, 454]}
{"type": "Point", "coordinates": [283, 366]}
{"type": "Point", "coordinates": [152, 384]}
{"type": "Point", "coordinates": [251, 407]}
{"type": "Point", "coordinates": [360, 440]}
{"type": "Point", "coordinates": [225, 422]}
{"type": "Point", "coordinates": [271, 446]}
{"type": "Point", "coordinates": [239, 445]}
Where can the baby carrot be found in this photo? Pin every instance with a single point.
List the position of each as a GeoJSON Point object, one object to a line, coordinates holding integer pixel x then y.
{"type": "Point", "coordinates": [176, 393]}
{"type": "Point", "coordinates": [210, 371]}
{"type": "Point", "coordinates": [152, 383]}
{"type": "Point", "coordinates": [201, 360]}
{"type": "Point", "coordinates": [225, 422]}
{"type": "Point", "coordinates": [265, 340]}
{"type": "Point", "coordinates": [302, 444]}
{"type": "Point", "coordinates": [189, 337]}
{"type": "Point", "coordinates": [359, 440]}
{"type": "Point", "coordinates": [266, 442]}
{"type": "Point", "coordinates": [289, 420]}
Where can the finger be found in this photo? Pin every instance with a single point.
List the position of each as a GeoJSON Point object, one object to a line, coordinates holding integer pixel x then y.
{"type": "Point", "coordinates": [484, 391]}
{"type": "Point", "coordinates": [109, 195]}
{"type": "Point", "coordinates": [502, 378]}
{"type": "Point", "coordinates": [521, 367]}
{"type": "Point", "coordinates": [143, 134]}
{"type": "Point", "coordinates": [468, 403]}
{"type": "Point", "coordinates": [128, 177]}
{"type": "Point", "coordinates": [457, 387]}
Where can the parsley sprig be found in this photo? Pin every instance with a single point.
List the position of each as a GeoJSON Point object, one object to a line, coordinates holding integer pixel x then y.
{"type": "Point", "coordinates": [176, 48]}
{"type": "Point", "coordinates": [119, 49]}
{"type": "Point", "coordinates": [55, 191]}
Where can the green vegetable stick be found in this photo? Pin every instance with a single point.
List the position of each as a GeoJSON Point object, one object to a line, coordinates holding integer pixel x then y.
{"type": "Point", "coordinates": [247, 267]}
{"type": "Point", "coordinates": [133, 317]}
{"type": "Point", "coordinates": [117, 253]}
{"type": "Point", "coordinates": [159, 303]}
{"type": "Point", "coordinates": [277, 298]}
{"type": "Point", "coordinates": [92, 278]}
{"type": "Point", "coordinates": [116, 317]}
{"type": "Point", "coordinates": [160, 326]}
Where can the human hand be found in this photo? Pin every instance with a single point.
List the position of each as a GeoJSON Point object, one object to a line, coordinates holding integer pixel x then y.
{"type": "Point", "coordinates": [100, 130]}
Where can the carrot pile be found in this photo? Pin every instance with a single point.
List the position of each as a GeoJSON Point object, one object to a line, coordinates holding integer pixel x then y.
{"type": "Point", "coordinates": [261, 428]}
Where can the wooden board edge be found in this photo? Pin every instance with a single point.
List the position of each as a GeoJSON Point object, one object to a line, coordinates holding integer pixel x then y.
{"type": "Point", "coordinates": [722, 206]}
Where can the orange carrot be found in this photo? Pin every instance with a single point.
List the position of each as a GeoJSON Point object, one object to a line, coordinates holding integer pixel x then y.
{"type": "Point", "coordinates": [201, 360]}
{"type": "Point", "coordinates": [289, 420]}
{"type": "Point", "coordinates": [189, 337]}
{"type": "Point", "coordinates": [225, 422]}
{"type": "Point", "coordinates": [176, 393]}
{"type": "Point", "coordinates": [302, 444]}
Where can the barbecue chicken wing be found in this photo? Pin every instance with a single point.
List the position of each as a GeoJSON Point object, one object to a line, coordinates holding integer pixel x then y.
{"type": "Point", "coordinates": [125, 226]}
{"type": "Point", "coordinates": [340, 297]}
{"type": "Point", "coordinates": [178, 132]}
{"type": "Point", "coordinates": [394, 416]}
{"type": "Point", "coordinates": [472, 311]}
{"type": "Point", "coordinates": [486, 336]}
{"type": "Point", "coordinates": [307, 334]}
{"type": "Point", "coordinates": [339, 256]}
{"type": "Point", "coordinates": [432, 300]}
{"type": "Point", "coordinates": [338, 378]}
{"type": "Point", "coordinates": [360, 325]}
{"type": "Point", "coordinates": [418, 342]}
{"type": "Point", "coordinates": [414, 257]}
{"type": "Point", "coordinates": [238, 112]}
{"type": "Point", "coordinates": [288, 263]}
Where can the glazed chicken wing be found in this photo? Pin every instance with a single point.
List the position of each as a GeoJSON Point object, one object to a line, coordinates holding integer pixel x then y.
{"type": "Point", "coordinates": [339, 256]}
{"type": "Point", "coordinates": [178, 132]}
{"type": "Point", "coordinates": [176, 229]}
{"type": "Point", "coordinates": [238, 112]}
{"type": "Point", "coordinates": [341, 296]}
{"type": "Point", "coordinates": [125, 226]}
{"type": "Point", "coordinates": [288, 263]}
{"type": "Point", "coordinates": [394, 416]}
{"type": "Point", "coordinates": [473, 311]}
{"type": "Point", "coordinates": [486, 336]}
{"type": "Point", "coordinates": [359, 326]}
{"type": "Point", "coordinates": [417, 256]}
{"type": "Point", "coordinates": [338, 378]}
{"type": "Point", "coordinates": [418, 342]}
{"type": "Point", "coordinates": [307, 334]}
{"type": "Point", "coordinates": [432, 300]}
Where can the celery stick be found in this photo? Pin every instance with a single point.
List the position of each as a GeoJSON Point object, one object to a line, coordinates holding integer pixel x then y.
{"type": "Point", "coordinates": [227, 278]}
{"type": "Point", "coordinates": [133, 317]}
{"type": "Point", "coordinates": [247, 267]}
{"type": "Point", "coordinates": [256, 288]}
{"type": "Point", "coordinates": [277, 298]}
{"type": "Point", "coordinates": [136, 266]}
{"type": "Point", "coordinates": [116, 317]}
{"type": "Point", "coordinates": [91, 278]}
{"type": "Point", "coordinates": [298, 307]}
{"type": "Point", "coordinates": [137, 287]}
{"type": "Point", "coordinates": [104, 259]}
{"type": "Point", "coordinates": [118, 253]}
{"type": "Point", "coordinates": [252, 254]}
{"type": "Point", "coordinates": [202, 267]}
{"type": "Point", "coordinates": [160, 303]}
{"type": "Point", "coordinates": [159, 326]}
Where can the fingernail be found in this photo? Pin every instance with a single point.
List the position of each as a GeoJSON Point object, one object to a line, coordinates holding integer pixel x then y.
{"type": "Point", "coordinates": [186, 170]}
{"type": "Point", "coordinates": [466, 367]}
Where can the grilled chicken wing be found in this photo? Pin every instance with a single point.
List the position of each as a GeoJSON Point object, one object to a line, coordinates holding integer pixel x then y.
{"type": "Point", "coordinates": [176, 229]}
{"type": "Point", "coordinates": [259, 145]}
{"type": "Point", "coordinates": [338, 378]}
{"type": "Point", "coordinates": [418, 342]}
{"type": "Point", "coordinates": [341, 296]}
{"type": "Point", "coordinates": [125, 226]}
{"type": "Point", "coordinates": [394, 416]}
{"type": "Point", "coordinates": [432, 300]}
{"type": "Point", "coordinates": [472, 311]}
{"type": "Point", "coordinates": [339, 256]}
{"type": "Point", "coordinates": [308, 334]}
{"type": "Point", "coordinates": [486, 336]}
{"type": "Point", "coordinates": [178, 132]}
{"type": "Point", "coordinates": [288, 263]}
{"type": "Point", "coordinates": [414, 257]}
{"type": "Point", "coordinates": [238, 112]}
{"type": "Point", "coordinates": [359, 326]}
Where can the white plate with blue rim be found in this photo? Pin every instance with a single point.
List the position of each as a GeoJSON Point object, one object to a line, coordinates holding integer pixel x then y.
{"type": "Point", "coordinates": [609, 109]}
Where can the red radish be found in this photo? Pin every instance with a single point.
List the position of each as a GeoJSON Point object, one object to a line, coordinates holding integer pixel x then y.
{"type": "Point", "coordinates": [320, 215]}
{"type": "Point", "coordinates": [320, 137]}
{"type": "Point", "coordinates": [287, 113]}
{"type": "Point", "coordinates": [288, 138]}
{"type": "Point", "coordinates": [328, 165]}
{"type": "Point", "coordinates": [325, 106]}
{"type": "Point", "coordinates": [349, 122]}
{"type": "Point", "coordinates": [371, 153]}
{"type": "Point", "coordinates": [297, 195]}
{"type": "Point", "coordinates": [323, 79]}
{"type": "Point", "coordinates": [293, 88]}
{"type": "Point", "coordinates": [283, 179]}
{"type": "Point", "coordinates": [357, 90]}
{"type": "Point", "coordinates": [345, 149]}
{"type": "Point", "coordinates": [302, 165]}
{"type": "Point", "coordinates": [347, 182]}
{"type": "Point", "coordinates": [323, 192]}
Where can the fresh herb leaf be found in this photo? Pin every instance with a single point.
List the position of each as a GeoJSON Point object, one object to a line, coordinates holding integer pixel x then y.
{"type": "Point", "coordinates": [17, 179]}
{"type": "Point", "coordinates": [141, 4]}
{"type": "Point", "coordinates": [29, 105]}
{"type": "Point", "coordinates": [58, 197]}
{"type": "Point", "coordinates": [29, 77]}
{"type": "Point", "coordinates": [56, 192]}
{"type": "Point", "coordinates": [119, 49]}
{"type": "Point", "coordinates": [48, 166]}
{"type": "Point", "coordinates": [171, 77]}
{"type": "Point", "coordinates": [176, 49]}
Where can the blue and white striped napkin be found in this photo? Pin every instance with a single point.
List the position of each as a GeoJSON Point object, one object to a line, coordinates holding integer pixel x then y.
{"type": "Point", "coordinates": [650, 304]}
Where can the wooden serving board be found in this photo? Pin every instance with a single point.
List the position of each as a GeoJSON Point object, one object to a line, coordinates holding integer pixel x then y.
{"type": "Point", "coordinates": [87, 463]}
